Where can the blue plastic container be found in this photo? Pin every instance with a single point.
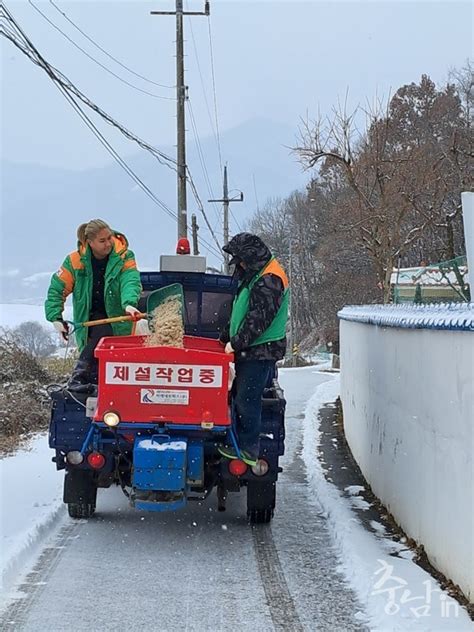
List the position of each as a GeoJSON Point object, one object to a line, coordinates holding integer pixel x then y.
{"type": "Point", "coordinates": [159, 463]}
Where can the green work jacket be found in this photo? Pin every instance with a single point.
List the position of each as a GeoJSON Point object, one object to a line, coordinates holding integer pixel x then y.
{"type": "Point", "coordinates": [122, 287]}
{"type": "Point", "coordinates": [240, 307]}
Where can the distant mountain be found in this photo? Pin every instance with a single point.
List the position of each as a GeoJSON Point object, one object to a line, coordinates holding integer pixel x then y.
{"type": "Point", "coordinates": [42, 206]}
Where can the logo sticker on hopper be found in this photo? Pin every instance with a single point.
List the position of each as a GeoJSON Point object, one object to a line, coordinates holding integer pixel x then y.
{"type": "Point", "coordinates": [162, 396]}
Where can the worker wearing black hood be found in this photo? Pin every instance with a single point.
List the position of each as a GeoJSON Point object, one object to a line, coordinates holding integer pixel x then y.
{"type": "Point", "coordinates": [256, 334]}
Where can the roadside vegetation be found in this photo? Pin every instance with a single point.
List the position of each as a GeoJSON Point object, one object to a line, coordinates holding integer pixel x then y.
{"type": "Point", "coordinates": [24, 401]}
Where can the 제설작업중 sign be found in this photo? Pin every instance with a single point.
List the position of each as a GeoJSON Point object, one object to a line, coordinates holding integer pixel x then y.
{"type": "Point", "coordinates": [203, 376]}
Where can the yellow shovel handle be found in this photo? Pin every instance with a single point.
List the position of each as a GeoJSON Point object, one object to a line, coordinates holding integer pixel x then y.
{"type": "Point", "coordinates": [115, 319]}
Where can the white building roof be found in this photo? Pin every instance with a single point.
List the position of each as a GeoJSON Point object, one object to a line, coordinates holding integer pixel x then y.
{"type": "Point", "coordinates": [425, 276]}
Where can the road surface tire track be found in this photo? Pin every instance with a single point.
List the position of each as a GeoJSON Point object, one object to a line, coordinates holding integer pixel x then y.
{"type": "Point", "coordinates": [17, 613]}
{"type": "Point", "coordinates": [280, 602]}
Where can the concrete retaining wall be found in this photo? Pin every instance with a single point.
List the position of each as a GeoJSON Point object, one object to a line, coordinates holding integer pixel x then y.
{"type": "Point", "coordinates": [407, 380]}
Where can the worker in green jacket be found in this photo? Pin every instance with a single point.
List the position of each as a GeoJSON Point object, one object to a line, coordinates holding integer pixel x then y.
{"type": "Point", "coordinates": [104, 281]}
{"type": "Point", "coordinates": [256, 335]}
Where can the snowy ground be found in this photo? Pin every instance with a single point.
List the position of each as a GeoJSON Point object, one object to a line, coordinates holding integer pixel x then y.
{"type": "Point", "coordinates": [13, 314]}
{"type": "Point", "coordinates": [30, 503]}
{"type": "Point", "coordinates": [398, 594]}
{"type": "Point", "coordinates": [390, 591]}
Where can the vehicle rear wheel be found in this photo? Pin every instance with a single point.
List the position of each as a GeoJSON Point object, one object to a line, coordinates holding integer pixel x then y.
{"type": "Point", "coordinates": [260, 502]}
{"type": "Point", "coordinates": [81, 510]}
{"type": "Point", "coordinates": [259, 516]}
{"type": "Point", "coordinates": [80, 493]}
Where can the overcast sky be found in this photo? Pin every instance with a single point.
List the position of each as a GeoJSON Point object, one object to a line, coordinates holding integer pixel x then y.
{"type": "Point", "coordinates": [277, 60]}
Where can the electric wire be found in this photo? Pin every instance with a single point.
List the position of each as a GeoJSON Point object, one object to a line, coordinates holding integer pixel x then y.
{"type": "Point", "coordinates": [205, 95]}
{"type": "Point", "coordinates": [138, 180]}
{"type": "Point", "coordinates": [35, 56]}
{"type": "Point", "coordinates": [214, 88]}
{"type": "Point", "coordinates": [117, 61]}
{"type": "Point", "coordinates": [10, 32]}
{"type": "Point", "coordinates": [201, 208]}
{"type": "Point", "coordinates": [214, 129]}
{"type": "Point", "coordinates": [58, 76]}
{"type": "Point", "coordinates": [202, 160]}
{"type": "Point", "coordinates": [115, 154]}
{"type": "Point", "coordinates": [255, 192]}
{"type": "Point", "coordinates": [205, 172]}
{"type": "Point", "coordinates": [92, 58]}
{"type": "Point", "coordinates": [51, 72]}
{"type": "Point", "coordinates": [133, 175]}
{"type": "Point", "coordinates": [211, 49]}
{"type": "Point", "coordinates": [235, 220]}
{"type": "Point", "coordinates": [214, 124]}
{"type": "Point", "coordinates": [230, 208]}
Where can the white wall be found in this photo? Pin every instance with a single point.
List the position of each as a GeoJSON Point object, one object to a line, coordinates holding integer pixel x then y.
{"type": "Point", "coordinates": [408, 403]}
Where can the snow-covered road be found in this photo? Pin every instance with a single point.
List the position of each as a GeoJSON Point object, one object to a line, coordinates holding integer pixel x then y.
{"type": "Point", "coordinates": [197, 569]}
{"type": "Point", "coordinates": [201, 570]}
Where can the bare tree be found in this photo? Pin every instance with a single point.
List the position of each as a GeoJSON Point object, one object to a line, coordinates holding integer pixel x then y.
{"type": "Point", "coordinates": [31, 337]}
{"type": "Point", "coordinates": [402, 171]}
{"type": "Point", "coordinates": [463, 81]}
{"type": "Point", "coordinates": [289, 230]}
{"type": "Point", "coordinates": [270, 222]}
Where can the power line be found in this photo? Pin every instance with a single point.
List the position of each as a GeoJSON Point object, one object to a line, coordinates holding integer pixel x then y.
{"type": "Point", "coordinates": [126, 167]}
{"type": "Point", "coordinates": [206, 176]}
{"type": "Point", "coordinates": [255, 192]}
{"type": "Point", "coordinates": [205, 97]}
{"type": "Point", "coordinates": [214, 125]}
{"type": "Point", "coordinates": [205, 172]}
{"type": "Point", "coordinates": [97, 133]}
{"type": "Point", "coordinates": [235, 220]}
{"type": "Point", "coordinates": [201, 208]}
{"type": "Point", "coordinates": [201, 156]}
{"type": "Point", "coordinates": [10, 32]}
{"type": "Point", "coordinates": [32, 52]}
{"type": "Point", "coordinates": [117, 61]}
{"type": "Point", "coordinates": [233, 216]}
{"type": "Point", "coordinates": [58, 76]}
{"type": "Point", "coordinates": [111, 72]}
{"type": "Point", "coordinates": [214, 89]}
{"type": "Point", "coordinates": [211, 49]}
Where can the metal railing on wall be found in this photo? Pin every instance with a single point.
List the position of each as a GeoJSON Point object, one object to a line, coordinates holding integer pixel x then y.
{"type": "Point", "coordinates": [441, 282]}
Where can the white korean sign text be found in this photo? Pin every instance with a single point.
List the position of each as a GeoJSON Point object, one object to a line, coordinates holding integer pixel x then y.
{"type": "Point", "coordinates": [202, 376]}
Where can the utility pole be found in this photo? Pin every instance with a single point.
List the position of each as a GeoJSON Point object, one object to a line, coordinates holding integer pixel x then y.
{"type": "Point", "coordinates": [181, 90]}
{"type": "Point", "coordinates": [194, 232]}
{"type": "Point", "coordinates": [291, 335]}
{"type": "Point", "coordinates": [226, 201]}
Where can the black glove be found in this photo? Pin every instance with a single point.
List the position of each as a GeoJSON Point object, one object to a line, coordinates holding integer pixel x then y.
{"type": "Point", "coordinates": [224, 336]}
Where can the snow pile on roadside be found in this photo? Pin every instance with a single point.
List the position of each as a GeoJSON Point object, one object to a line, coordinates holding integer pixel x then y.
{"type": "Point", "coordinates": [397, 594]}
{"type": "Point", "coordinates": [323, 360]}
{"type": "Point", "coordinates": [31, 504]}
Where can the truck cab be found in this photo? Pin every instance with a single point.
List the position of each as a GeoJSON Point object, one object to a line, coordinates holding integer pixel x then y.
{"type": "Point", "coordinates": [157, 437]}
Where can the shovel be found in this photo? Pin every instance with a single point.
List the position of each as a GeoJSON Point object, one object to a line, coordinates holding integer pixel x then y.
{"type": "Point", "coordinates": [158, 297]}
{"type": "Point", "coordinates": [155, 298]}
